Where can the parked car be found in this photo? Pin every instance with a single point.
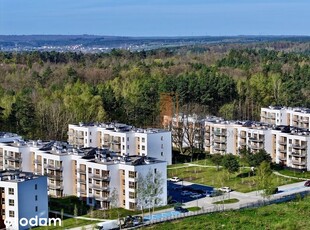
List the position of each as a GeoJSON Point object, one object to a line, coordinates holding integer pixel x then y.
{"type": "Point", "coordinates": [225, 189]}
{"type": "Point", "coordinates": [175, 179]}
{"type": "Point", "coordinates": [180, 209]}
{"type": "Point", "coordinates": [307, 183]}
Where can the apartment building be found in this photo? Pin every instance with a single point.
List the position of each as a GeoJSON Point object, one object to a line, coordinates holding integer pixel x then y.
{"type": "Point", "coordinates": [89, 173]}
{"type": "Point", "coordinates": [123, 139]}
{"type": "Point", "coordinates": [297, 117]}
{"type": "Point", "coordinates": [23, 195]}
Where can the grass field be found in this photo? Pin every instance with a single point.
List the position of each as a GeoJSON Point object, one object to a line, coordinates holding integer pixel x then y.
{"type": "Point", "coordinates": [228, 201]}
{"type": "Point", "coordinates": [292, 173]}
{"type": "Point", "coordinates": [241, 181]}
{"type": "Point", "coordinates": [285, 216]}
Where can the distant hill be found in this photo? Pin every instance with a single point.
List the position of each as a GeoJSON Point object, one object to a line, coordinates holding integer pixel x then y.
{"type": "Point", "coordinates": [95, 43]}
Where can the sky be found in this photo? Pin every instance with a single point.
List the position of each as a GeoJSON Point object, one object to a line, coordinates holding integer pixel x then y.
{"type": "Point", "coordinates": [155, 17]}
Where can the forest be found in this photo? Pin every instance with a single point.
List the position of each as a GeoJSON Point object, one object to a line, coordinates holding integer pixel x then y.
{"type": "Point", "coordinates": [42, 92]}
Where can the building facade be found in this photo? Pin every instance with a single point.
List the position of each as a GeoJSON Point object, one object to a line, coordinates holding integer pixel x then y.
{"type": "Point", "coordinates": [123, 139]}
{"type": "Point", "coordinates": [23, 195]}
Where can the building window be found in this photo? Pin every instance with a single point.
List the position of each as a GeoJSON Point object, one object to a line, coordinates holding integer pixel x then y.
{"type": "Point", "coordinates": [11, 214]}
{"type": "Point", "coordinates": [143, 139]}
{"type": "Point", "coordinates": [44, 160]}
{"type": "Point", "coordinates": [11, 191]}
{"type": "Point", "coordinates": [132, 174]}
{"type": "Point", "coordinates": [36, 187]}
{"type": "Point", "coordinates": [90, 190]}
{"type": "Point", "coordinates": [90, 200]}
{"type": "Point", "coordinates": [89, 140]}
{"type": "Point", "coordinates": [123, 147]}
{"type": "Point", "coordinates": [36, 197]}
{"type": "Point", "coordinates": [2, 201]}
{"type": "Point", "coordinates": [132, 185]}
{"type": "Point", "coordinates": [132, 195]}
{"type": "Point", "coordinates": [123, 139]}
{"type": "Point", "coordinates": [123, 192]}
{"type": "Point", "coordinates": [127, 138]}
{"type": "Point", "coordinates": [89, 133]}
{"type": "Point", "coordinates": [36, 209]}
{"type": "Point", "coordinates": [123, 182]}
{"type": "Point", "coordinates": [90, 180]}
{"type": "Point", "coordinates": [127, 146]}
{"type": "Point", "coordinates": [89, 170]}
{"type": "Point", "coordinates": [162, 153]}
{"type": "Point", "coordinates": [11, 202]}
{"type": "Point", "coordinates": [162, 138]}
{"type": "Point", "coordinates": [162, 146]}
{"type": "Point", "coordinates": [85, 134]}
{"type": "Point", "coordinates": [138, 146]}
{"type": "Point", "coordinates": [143, 147]}
{"type": "Point", "coordinates": [97, 171]}
{"type": "Point", "coordinates": [123, 172]}
{"type": "Point", "coordinates": [155, 171]}
{"type": "Point", "coordinates": [124, 203]}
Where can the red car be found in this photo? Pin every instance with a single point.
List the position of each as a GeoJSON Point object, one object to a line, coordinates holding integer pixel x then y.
{"type": "Point", "coordinates": [307, 184]}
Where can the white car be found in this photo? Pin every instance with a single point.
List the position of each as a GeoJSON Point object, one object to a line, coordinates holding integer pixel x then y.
{"type": "Point", "coordinates": [225, 189]}
{"type": "Point", "coordinates": [175, 179]}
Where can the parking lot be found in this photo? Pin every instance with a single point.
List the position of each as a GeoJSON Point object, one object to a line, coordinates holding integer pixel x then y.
{"type": "Point", "coordinates": [183, 191]}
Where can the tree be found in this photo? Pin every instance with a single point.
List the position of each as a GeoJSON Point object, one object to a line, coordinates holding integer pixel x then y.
{"type": "Point", "coordinates": [217, 160]}
{"type": "Point", "coordinates": [263, 179]}
{"type": "Point", "coordinates": [231, 163]}
{"type": "Point", "coordinates": [255, 159]}
{"type": "Point", "coordinates": [149, 190]}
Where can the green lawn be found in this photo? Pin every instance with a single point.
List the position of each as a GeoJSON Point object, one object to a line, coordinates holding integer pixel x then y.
{"type": "Point", "coordinates": [241, 181]}
{"type": "Point", "coordinates": [285, 216]}
{"type": "Point", "coordinates": [193, 209]}
{"type": "Point", "coordinates": [228, 201]}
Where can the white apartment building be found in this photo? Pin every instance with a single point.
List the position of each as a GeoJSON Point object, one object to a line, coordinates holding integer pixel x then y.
{"type": "Point", "coordinates": [23, 195]}
{"type": "Point", "coordinates": [297, 117]}
{"type": "Point", "coordinates": [123, 139]}
{"type": "Point", "coordinates": [82, 172]}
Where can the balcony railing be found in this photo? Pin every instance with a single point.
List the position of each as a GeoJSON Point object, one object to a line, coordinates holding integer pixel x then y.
{"type": "Point", "coordinates": [242, 143]}
{"type": "Point", "coordinates": [219, 148]}
{"type": "Point", "coordinates": [297, 146]}
{"type": "Point", "coordinates": [82, 181]}
{"type": "Point", "coordinates": [221, 134]}
{"type": "Point", "coordinates": [82, 191]}
{"type": "Point", "coordinates": [219, 140]}
{"type": "Point", "coordinates": [99, 177]}
{"type": "Point", "coordinates": [282, 142]}
{"type": "Point", "coordinates": [282, 150]}
{"type": "Point", "coordinates": [242, 135]}
{"type": "Point", "coordinates": [101, 198]}
{"type": "Point", "coordinates": [56, 187]}
{"type": "Point", "coordinates": [299, 163]}
{"type": "Point", "coordinates": [53, 167]}
{"type": "Point", "coordinates": [11, 158]}
{"type": "Point", "coordinates": [298, 155]}
{"type": "Point", "coordinates": [305, 121]}
{"type": "Point", "coordinates": [53, 176]}
{"type": "Point", "coordinates": [98, 187]}
{"type": "Point", "coordinates": [81, 170]}
{"type": "Point", "coordinates": [254, 139]}
{"type": "Point", "coordinates": [283, 158]}
{"type": "Point", "coordinates": [38, 162]}
{"type": "Point", "coordinates": [257, 146]}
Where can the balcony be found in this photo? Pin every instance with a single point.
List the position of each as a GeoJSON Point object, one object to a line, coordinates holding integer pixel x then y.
{"type": "Point", "coordinates": [55, 187]}
{"type": "Point", "coordinates": [82, 181]}
{"type": "Point", "coordinates": [220, 134]}
{"type": "Point", "coordinates": [207, 135]}
{"type": "Point", "coordinates": [98, 187]}
{"type": "Point", "coordinates": [81, 191]}
{"type": "Point", "coordinates": [53, 176]}
{"type": "Point", "coordinates": [219, 140]}
{"type": "Point", "coordinates": [38, 170]}
{"type": "Point", "coordinates": [219, 148]}
{"type": "Point", "coordinates": [101, 198]}
{"type": "Point", "coordinates": [99, 177]}
{"type": "Point", "coordinates": [11, 158]}
{"type": "Point", "coordinates": [242, 135]}
{"type": "Point", "coordinates": [283, 158]}
{"type": "Point", "coordinates": [305, 120]}
{"type": "Point", "coordinates": [242, 143]}
{"type": "Point", "coordinates": [298, 146]}
{"type": "Point", "coordinates": [255, 139]}
{"type": "Point", "coordinates": [282, 142]}
{"type": "Point", "coordinates": [53, 167]}
{"type": "Point", "coordinates": [81, 170]}
{"type": "Point", "coordinates": [38, 162]}
{"type": "Point", "coordinates": [71, 133]}
{"type": "Point", "coordinates": [257, 147]}
{"type": "Point", "coordinates": [281, 150]}
{"type": "Point", "coordinates": [11, 167]}
{"type": "Point", "coordinates": [298, 155]}
{"type": "Point", "coordinates": [299, 163]}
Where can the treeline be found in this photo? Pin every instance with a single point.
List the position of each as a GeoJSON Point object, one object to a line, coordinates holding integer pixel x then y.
{"type": "Point", "coordinates": [41, 92]}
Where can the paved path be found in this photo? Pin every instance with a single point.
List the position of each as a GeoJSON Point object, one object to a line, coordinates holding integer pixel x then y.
{"type": "Point", "coordinates": [291, 177]}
